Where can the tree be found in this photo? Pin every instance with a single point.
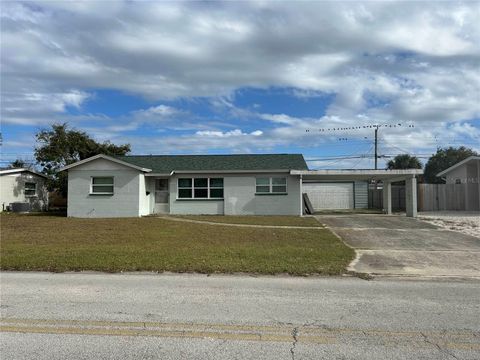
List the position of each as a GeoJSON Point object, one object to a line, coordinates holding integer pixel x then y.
{"type": "Point", "coordinates": [443, 159]}
{"type": "Point", "coordinates": [404, 161]}
{"type": "Point", "coordinates": [61, 146]}
{"type": "Point", "coordinates": [17, 164]}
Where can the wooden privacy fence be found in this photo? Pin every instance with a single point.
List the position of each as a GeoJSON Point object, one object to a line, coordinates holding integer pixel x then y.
{"type": "Point", "coordinates": [430, 197]}
{"type": "Point", "coordinates": [437, 197]}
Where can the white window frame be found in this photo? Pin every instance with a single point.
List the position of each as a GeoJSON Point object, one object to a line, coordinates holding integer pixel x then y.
{"type": "Point", "coordinates": [270, 185]}
{"type": "Point", "coordinates": [209, 187]}
{"type": "Point", "coordinates": [25, 189]}
{"type": "Point", "coordinates": [92, 185]}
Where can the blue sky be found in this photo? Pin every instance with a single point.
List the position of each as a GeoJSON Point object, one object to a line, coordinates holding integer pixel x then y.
{"type": "Point", "coordinates": [244, 77]}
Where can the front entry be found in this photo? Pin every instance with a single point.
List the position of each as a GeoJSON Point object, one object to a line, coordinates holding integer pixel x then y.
{"type": "Point", "coordinates": [161, 196]}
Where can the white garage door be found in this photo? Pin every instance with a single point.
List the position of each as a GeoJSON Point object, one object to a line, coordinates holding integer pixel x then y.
{"type": "Point", "coordinates": [324, 196]}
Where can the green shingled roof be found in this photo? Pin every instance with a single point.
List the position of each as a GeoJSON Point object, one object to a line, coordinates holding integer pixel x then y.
{"type": "Point", "coordinates": [167, 163]}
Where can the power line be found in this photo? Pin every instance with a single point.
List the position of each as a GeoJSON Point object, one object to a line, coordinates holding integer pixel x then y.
{"type": "Point", "coordinates": [375, 127]}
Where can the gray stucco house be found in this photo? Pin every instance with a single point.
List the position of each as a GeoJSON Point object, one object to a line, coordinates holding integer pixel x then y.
{"type": "Point", "coordinates": [254, 184]}
{"type": "Point", "coordinates": [466, 172]}
{"type": "Point", "coordinates": [23, 186]}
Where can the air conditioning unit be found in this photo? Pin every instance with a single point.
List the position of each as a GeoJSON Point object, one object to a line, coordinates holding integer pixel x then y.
{"type": "Point", "coordinates": [20, 207]}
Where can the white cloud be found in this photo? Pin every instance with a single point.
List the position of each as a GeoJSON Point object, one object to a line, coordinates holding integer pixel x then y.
{"type": "Point", "coordinates": [30, 108]}
{"type": "Point", "coordinates": [383, 62]}
{"type": "Point", "coordinates": [159, 111]}
{"type": "Point", "coordinates": [227, 134]}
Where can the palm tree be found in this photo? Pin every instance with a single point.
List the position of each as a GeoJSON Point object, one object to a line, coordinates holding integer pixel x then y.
{"type": "Point", "coordinates": [404, 161]}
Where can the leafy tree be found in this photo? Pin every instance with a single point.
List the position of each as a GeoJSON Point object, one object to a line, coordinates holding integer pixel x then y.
{"type": "Point", "coordinates": [443, 159]}
{"type": "Point", "coordinates": [61, 146]}
{"type": "Point", "coordinates": [17, 164]}
{"type": "Point", "coordinates": [404, 161]}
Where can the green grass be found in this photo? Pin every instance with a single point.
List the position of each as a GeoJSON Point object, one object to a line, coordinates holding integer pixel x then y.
{"type": "Point", "coordinates": [257, 220]}
{"type": "Point", "coordinates": [52, 243]}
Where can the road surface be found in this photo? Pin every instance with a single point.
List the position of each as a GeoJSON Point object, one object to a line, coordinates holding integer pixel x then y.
{"type": "Point", "coordinates": [146, 316]}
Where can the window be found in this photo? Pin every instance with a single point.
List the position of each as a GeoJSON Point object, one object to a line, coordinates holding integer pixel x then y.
{"type": "Point", "coordinates": [30, 189]}
{"type": "Point", "coordinates": [185, 188]}
{"type": "Point", "coordinates": [200, 188]}
{"type": "Point", "coordinates": [102, 185]}
{"type": "Point", "coordinates": [279, 185]}
{"type": "Point", "coordinates": [271, 185]}
{"type": "Point", "coordinates": [216, 188]}
{"type": "Point", "coordinates": [263, 185]}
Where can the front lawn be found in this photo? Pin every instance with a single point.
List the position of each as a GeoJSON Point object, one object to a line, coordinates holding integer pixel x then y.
{"type": "Point", "coordinates": [258, 220]}
{"type": "Point", "coordinates": [52, 243]}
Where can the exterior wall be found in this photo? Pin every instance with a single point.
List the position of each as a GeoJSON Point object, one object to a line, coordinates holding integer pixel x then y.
{"type": "Point", "coordinates": [12, 190]}
{"type": "Point", "coordinates": [469, 174]}
{"type": "Point", "coordinates": [150, 187]}
{"type": "Point", "coordinates": [239, 197]}
{"type": "Point", "coordinates": [473, 187]}
{"type": "Point", "coordinates": [144, 199]}
{"type": "Point", "coordinates": [361, 194]}
{"type": "Point", "coordinates": [192, 207]}
{"type": "Point", "coordinates": [458, 173]}
{"type": "Point", "coordinates": [125, 202]}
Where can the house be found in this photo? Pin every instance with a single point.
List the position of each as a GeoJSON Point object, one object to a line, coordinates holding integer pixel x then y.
{"type": "Point", "coordinates": [254, 184]}
{"type": "Point", "coordinates": [466, 172]}
{"type": "Point", "coordinates": [23, 186]}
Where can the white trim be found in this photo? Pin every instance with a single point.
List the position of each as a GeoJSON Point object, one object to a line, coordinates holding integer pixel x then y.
{"type": "Point", "coordinates": [160, 174]}
{"type": "Point", "coordinates": [102, 193]}
{"type": "Point", "coordinates": [229, 171]}
{"type": "Point", "coordinates": [13, 171]}
{"type": "Point", "coordinates": [470, 158]}
{"type": "Point", "coordinates": [106, 157]}
{"type": "Point", "coordinates": [358, 172]}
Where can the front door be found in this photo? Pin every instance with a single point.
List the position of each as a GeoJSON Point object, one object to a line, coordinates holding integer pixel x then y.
{"type": "Point", "coordinates": [161, 196]}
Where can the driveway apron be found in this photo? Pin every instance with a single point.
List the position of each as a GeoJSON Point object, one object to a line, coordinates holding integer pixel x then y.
{"type": "Point", "coordinates": [397, 245]}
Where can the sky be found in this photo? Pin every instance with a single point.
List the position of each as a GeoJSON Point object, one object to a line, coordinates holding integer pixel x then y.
{"type": "Point", "coordinates": [244, 77]}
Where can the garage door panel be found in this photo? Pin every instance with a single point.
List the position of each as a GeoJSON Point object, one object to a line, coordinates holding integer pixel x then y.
{"type": "Point", "coordinates": [330, 196]}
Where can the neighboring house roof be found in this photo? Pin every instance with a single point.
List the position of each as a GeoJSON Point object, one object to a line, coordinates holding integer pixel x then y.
{"type": "Point", "coordinates": [20, 170]}
{"type": "Point", "coordinates": [470, 158]}
{"type": "Point", "coordinates": [195, 163]}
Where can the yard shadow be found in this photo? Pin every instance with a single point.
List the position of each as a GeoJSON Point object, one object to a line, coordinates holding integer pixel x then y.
{"type": "Point", "coordinates": [55, 213]}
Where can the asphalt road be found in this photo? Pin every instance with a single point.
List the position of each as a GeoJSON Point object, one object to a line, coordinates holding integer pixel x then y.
{"type": "Point", "coordinates": [144, 316]}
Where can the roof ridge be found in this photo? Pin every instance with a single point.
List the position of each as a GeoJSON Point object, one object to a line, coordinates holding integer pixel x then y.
{"type": "Point", "coordinates": [151, 155]}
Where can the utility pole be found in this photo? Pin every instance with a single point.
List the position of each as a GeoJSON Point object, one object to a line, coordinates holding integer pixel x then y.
{"type": "Point", "coordinates": [376, 143]}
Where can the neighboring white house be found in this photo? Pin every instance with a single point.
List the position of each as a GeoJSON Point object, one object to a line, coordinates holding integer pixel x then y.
{"type": "Point", "coordinates": [466, 172]}
{"type": "Point", "coordinates": [254, 184]}
{"type": "Point", "coordinates": [25, 186]}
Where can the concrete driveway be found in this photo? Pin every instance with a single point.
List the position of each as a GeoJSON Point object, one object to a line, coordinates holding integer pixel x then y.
{"type": "Point", "coordinates": [397, 245]}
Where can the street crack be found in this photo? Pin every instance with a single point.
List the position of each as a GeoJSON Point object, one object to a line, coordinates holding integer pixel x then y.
{"type": "Point", "coordinates": [439, 348]}
{"type": "Point", "coordinates": [294, 343]}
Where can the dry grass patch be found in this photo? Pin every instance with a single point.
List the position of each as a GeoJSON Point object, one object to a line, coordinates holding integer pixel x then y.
{"type": "Point", "coordinates": [52, 243]}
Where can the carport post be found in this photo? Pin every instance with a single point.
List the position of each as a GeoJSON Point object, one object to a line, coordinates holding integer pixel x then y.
{"type": "Point", "coordinates": [411, 196]}
{"type": "Point", "coordinates": [387, 197]}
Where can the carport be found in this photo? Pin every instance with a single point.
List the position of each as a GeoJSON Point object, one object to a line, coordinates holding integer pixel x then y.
{"type": "Point", "coordinates": [309, 177]}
